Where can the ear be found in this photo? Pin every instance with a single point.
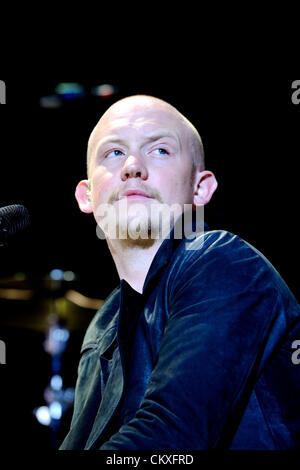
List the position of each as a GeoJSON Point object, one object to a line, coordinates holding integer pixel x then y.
{"type": "Point", "coordinates": [204, 186]}
{"type": "Point", "coordinates": [83, 197]}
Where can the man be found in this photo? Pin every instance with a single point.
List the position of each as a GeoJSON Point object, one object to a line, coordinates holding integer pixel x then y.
{"type": "Point", "coordinates": [194, 349]}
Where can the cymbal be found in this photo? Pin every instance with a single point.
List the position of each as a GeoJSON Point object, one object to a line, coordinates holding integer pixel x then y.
{"type": "Point", "coordinates": [23, 305]}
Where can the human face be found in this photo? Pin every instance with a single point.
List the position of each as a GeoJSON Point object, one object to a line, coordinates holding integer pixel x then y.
{"type": "Point", "coordinates": [145, 149]}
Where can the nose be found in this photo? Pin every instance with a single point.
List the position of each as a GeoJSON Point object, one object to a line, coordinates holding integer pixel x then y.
{"type": "Point", "coordinates": [134, 168]}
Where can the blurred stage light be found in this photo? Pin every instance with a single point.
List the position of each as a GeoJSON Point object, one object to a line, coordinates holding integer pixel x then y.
{"type": "Point", "coordinates": [70, 91]}
{"type": "Point", "coordinates": [104, 90]}
{"type": "Point", "coordinates": [50, 102]}
{"type": "Point", "coordinates": [43, 415]}
{"type": "Point", "coordinates": [69, 276]}
{"type": "Point", "coordinates": [60, 335]}
{"type": "Point", "coordinates": [56, 382]}
{"type": "Point", "coordinates": [55, 410]}
{"type": "Point", "coordinates": [57, 274]}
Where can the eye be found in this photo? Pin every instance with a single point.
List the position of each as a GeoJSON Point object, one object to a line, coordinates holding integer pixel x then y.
{"type": "Point", "coordinates": [114, 153]}
{"type": "Point", "coordinates": [160, 151]}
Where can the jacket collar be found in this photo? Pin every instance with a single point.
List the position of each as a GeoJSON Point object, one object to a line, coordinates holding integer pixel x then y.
{"type": "Point", "coordinates": [186, 227]}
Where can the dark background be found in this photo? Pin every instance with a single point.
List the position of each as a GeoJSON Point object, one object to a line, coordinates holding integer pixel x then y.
{"type": "Point", "coordinates": [250, 130]}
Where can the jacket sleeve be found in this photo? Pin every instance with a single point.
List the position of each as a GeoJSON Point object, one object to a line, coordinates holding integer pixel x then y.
{"type": "Point", "coordinates": [223, 305]}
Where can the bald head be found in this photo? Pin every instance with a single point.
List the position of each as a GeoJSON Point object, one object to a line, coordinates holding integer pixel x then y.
{"type": "Point", "coordinates": [127, 106]}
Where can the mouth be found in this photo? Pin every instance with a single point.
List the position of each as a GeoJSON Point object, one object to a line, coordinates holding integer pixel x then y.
{"type": "Point", "coordinates": [134, 194]}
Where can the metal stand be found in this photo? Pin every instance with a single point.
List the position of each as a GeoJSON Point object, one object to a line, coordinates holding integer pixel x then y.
{"type": "Point", "coordinates": [58, 400]}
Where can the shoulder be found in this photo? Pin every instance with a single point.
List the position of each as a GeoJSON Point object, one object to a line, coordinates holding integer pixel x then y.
{"type": "Point", "coordinates": [220, 260]}
{"type": "Point", "coordinates": [221, 244]}
{"type": "Point", "coordinates": [218, 246]}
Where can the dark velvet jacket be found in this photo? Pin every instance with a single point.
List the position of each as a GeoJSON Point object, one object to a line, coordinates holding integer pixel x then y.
{"type": "Point", "coordinates": [202, 359]}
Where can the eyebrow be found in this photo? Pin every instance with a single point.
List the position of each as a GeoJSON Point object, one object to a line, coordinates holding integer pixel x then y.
{"type": "Point", "coordinates": [149, 138]}
{"type": "Point", "coordinates": [162, 135]}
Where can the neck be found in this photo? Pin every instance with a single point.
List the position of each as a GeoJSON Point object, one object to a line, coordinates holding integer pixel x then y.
{"type": "Point", "coordinates": [133, 260]}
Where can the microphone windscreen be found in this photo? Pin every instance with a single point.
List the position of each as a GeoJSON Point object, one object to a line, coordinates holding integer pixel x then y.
{"type": "Point", "coordinates": [15, 218]}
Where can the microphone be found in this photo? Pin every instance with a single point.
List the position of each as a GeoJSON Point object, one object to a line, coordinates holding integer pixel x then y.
{"type": "Point", "coordinates": [13, 219]}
